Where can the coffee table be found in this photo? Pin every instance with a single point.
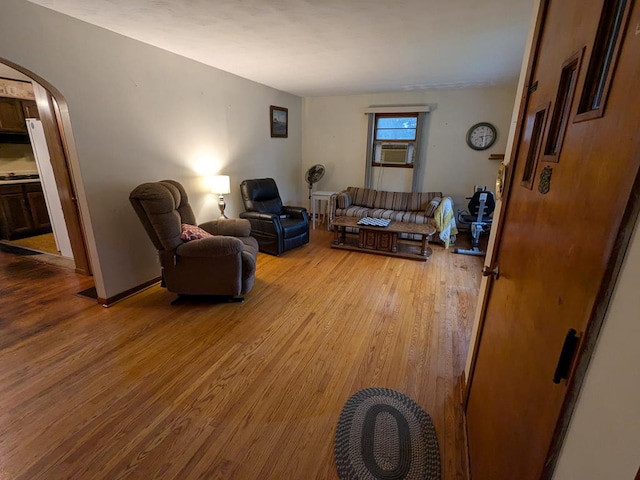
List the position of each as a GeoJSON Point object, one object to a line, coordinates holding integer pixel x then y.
{"type": "Point", "coordinates": [382, 240]}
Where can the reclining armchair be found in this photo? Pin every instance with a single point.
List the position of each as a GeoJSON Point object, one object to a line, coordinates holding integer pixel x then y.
{"type": "Point", "coordinates": [478, 218]}
{"type": "Point", "coordinates": [220, 261]}
{"type": "Point", "coordinates": [277, 228]}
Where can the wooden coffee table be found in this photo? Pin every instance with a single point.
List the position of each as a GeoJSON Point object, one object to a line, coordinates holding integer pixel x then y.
{"type": "Point", "coordinates": [382, 240]}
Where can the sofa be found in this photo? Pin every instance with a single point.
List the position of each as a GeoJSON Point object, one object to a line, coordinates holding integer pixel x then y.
{"type": "Point", "coordinates": [421, 207]}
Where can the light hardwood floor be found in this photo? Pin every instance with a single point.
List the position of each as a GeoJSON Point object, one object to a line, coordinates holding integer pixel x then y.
{"type": "Point", "coordinates": [43, 243]}
{"type": "Point", "coordinates": [148, 390]}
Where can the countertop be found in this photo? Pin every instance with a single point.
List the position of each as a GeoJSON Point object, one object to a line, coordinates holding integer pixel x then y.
{"type": "Point", "coordinates": [13, 182]}
{"type": "Point", "coordinates": [10, 178]}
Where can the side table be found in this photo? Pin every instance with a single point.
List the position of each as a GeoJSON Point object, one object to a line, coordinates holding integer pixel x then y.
{"type": "Point", "coordinates": [320, 196]}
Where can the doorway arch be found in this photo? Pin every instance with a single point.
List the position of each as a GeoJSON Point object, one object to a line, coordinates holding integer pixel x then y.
{"type": "Point", "coordinates": [56, 122]}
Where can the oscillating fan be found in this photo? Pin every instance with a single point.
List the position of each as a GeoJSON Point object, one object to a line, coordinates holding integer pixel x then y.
{"type": "Point", "coordinates": [313, 175]}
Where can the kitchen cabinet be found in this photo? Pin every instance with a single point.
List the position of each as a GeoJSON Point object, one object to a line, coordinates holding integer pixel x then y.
{"type": "Point", "coordinates": [15, 214]}
{"type": "Point", "coordinates": [12, 116]}
{"type": "Point", "coordinates": [37, 207]}
{"type": "Point", "coordinates": [23, 211]}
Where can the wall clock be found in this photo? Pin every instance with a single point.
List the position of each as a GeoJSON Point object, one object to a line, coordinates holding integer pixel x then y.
{"type": "Point", "coordinates": [481, 136]}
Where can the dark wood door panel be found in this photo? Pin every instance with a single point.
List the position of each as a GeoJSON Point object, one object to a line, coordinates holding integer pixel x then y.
{"type": "Point", "coordinates": [38, 210]}
{"type": "Point", "coordinates": [16, 214]}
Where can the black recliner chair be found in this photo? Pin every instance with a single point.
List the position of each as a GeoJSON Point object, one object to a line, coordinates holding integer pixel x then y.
{"type": "Point", "coordinates": [478, 217]}
{"type": "Point", "coordinates": [277, 228]}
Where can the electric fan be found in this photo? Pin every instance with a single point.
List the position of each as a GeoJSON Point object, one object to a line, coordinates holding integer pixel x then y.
{"type": "Point", "coordinates": [313, 175]}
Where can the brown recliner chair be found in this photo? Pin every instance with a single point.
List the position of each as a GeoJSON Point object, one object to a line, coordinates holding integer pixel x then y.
{"type": "Point", "coordinates": [222, 265]}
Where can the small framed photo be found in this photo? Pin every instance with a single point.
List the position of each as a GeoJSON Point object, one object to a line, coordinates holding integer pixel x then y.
{"type": "Point", "coordinates": [279, 121]}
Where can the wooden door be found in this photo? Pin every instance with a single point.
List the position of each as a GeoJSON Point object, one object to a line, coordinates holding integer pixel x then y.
{"type": "Point", "coordinates": [573, 174]}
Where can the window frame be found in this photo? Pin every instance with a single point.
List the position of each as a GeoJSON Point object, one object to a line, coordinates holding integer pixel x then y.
{"type": "Point", "coordinates": [411, 144]}
{"type": "Point", "coordinates": [604, 57]}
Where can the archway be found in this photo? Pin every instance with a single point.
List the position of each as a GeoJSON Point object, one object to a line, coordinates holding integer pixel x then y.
{"type": "Point", "coordinates": [56, 124]}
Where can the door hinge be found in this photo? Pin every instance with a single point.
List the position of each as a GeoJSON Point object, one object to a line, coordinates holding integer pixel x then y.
{"type": "Point", "coordinates": [533, 87]}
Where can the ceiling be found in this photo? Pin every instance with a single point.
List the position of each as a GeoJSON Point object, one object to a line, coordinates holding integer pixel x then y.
{"type": "Point", "coordinates": [329, 47]}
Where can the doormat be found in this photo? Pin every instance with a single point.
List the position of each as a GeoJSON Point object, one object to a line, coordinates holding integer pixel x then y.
{"type": "Point", "coordinates": [383, 435]}
{"type": "Point", "coordinates": [17, 250]}
{"type": "Point", "coordinates": [88, 293]}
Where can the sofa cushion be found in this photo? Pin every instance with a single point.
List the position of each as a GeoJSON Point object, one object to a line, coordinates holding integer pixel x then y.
{"type": "Point", "coordinates": [385, 213]}
{"type": "Point", "coordinates": [391, 200]}
{"type": "Point", "coordinates": [419, 202]}
{"type": "Point", "coordinates": [363, 197]}
{"type": "Point", "coordinates": [352, 211]}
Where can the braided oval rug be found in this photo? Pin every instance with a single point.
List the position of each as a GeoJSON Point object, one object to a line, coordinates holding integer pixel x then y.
{"type": "Point", "coordinates": [384, 435]}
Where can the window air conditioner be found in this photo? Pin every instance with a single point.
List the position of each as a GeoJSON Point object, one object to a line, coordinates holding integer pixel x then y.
{"type": "Point", "coordinates": [393, 154]}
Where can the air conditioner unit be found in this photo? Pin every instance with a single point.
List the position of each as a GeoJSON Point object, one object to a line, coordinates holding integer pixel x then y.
{"type": "Point", "coordinates": [393, 154]}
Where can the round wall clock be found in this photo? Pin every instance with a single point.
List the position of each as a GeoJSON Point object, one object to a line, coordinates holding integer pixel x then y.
{"type": "Point", "coordinates": [481, 136]}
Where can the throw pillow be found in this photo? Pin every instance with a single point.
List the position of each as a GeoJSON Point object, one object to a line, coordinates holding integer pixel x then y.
{"type": "Point", "coordinates": [191, 232]}
{"type": "Point", "coordinates": [431, 208]}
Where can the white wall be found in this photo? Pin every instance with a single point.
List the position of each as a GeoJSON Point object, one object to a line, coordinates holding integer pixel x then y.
{"type": "Point", "coordinates": [335, 135]}
{"type": "Point", "coordinates": [143, 114]}
{"type": "Point", "coordinates": [603, 439]}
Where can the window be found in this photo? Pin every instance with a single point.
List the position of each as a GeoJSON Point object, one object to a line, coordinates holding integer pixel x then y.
{"type": "Point", "coordinates": [394, 139]}
{"type": "Point", "coordinates": [564, 97]}
{"type": "Point", "coordinates": [533, 131]}
{"type": "Point", "coordinates": [603, 58]}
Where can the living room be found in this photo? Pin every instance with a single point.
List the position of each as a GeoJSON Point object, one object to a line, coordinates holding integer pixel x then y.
{"type": "Point", "coordinates": [170, 117]}
{"type": "Point", "coordinates": [221, 130]}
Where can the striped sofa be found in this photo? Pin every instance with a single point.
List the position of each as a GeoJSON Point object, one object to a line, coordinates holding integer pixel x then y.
{"type": "Point", "coordinates": [399, 206]}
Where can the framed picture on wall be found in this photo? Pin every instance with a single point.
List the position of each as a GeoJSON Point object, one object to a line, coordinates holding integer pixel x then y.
{"type": "Point", "coordinates": [279, 121]}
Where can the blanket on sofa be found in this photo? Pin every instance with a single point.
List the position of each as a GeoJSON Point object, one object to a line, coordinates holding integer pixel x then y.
{"type": "Point", "coordinates": [445, 221]}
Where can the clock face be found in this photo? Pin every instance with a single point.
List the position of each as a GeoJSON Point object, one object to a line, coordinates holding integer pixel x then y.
{"type": "Point", "coordinates": [481, 136]}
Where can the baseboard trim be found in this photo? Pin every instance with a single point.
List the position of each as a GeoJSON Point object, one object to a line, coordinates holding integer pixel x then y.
{"type": "Point", "coordinates": [82, 271]}
{"type": "Point", "coordinates": [107, 302]}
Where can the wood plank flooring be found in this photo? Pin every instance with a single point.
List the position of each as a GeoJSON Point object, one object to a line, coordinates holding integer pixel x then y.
{"type": "Point", "coordinates": [45, 242]}
{"type": "Point", "coordinates": [146, 390]}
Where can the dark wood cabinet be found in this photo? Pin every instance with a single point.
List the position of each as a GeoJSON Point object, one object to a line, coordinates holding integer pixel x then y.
{"type": "Point", "coordinates": [16, 217]}
{"type": "Point", "coordinates": [37, 207]}
{"type": "Point", "coordinates": [23, 211]}
{"type": "Point", "coordinates": [12, 116]}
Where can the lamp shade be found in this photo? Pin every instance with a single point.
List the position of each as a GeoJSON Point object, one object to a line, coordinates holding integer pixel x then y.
{"type": "Point", "coordinates": [220, 184]}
